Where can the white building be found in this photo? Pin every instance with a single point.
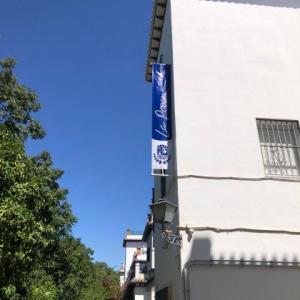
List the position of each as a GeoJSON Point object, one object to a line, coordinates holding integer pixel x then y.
{"type": "Point", "coordinates": [149, 287]}
{"type": "Point", "coordinates": [136, 277]}
{"type": "Point", "coordinates": [134, 248]}
{"type": "Point", "coordinates": [236, 105]}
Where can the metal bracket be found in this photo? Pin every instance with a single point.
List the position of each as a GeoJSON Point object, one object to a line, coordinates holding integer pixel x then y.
{"type": "Point", "coordinates": [172, 238]}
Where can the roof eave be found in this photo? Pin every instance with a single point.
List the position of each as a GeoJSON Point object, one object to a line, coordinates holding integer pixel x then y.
{"type": "Point", "coordinates": [157, 22]}
{"type": "Point", "coordinates": [147, 230]}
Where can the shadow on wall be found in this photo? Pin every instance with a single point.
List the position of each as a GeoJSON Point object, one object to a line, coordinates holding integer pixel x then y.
{"type": "Point", "coordinates": [200, 249]}
{"type": "Point", "coordinates": [218, 275]}
{"type": "Point", "coordinates": [201, 252]}
{"type": "Point", "coordinates": [274, 3]}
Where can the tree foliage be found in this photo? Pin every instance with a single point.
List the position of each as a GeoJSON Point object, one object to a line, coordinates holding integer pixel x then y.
{"type": "Point", "coordinates": [34, 213]}
{"type": "Point", "coordinates": [71, 265]}
{"type": "Point", "coordinates": [39, 257]}
{"type": "Point", "coordinates": [103, 283]}
{"type": "Point", "coordinates": [17, 103]}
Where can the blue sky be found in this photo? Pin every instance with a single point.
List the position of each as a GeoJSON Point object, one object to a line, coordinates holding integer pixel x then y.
{"type": "Point", "coordinates": [86, 60]}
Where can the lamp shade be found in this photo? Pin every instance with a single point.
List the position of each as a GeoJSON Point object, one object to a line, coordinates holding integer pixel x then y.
{"type": "Point", "coordinates": [163, 211]}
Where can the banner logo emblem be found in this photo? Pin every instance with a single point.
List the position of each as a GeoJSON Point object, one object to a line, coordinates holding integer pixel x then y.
{"type": "Point", "coordinates": [162, 156]}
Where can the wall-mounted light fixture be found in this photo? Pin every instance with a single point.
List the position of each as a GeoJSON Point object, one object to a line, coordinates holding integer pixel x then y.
{"type": "Point", "coordinates": [163, 213]}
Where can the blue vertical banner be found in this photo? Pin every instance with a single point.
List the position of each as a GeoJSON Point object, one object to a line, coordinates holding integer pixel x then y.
{"type": "Point", "coordinates": [161, 118]}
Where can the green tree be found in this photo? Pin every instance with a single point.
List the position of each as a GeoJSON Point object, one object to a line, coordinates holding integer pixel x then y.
{"type": "Point", "coordinates": [34, 213]}
{"type": "Point", "coordinates": [17, 103]}
{"type": "Point", "coordinates": [70, 263]}
{"type": "Point", "coordinates": [39, 257]}
{"type": "Point", "coordinates": [41, 286]}
{"type": "Point", "coordinates": [103, 283]}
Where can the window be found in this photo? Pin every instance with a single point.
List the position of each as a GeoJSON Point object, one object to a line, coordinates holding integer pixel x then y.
{"type": "Point", "coordinates": [162, 294]}
{"type": "Point", "coordinates": [280, 146]}
{"type": "Point", "coordinates": [143, 267]}
{"type": "Point", "coordinates": [163, 187]}
{"type": "Point", "coordinates": [148, 254]}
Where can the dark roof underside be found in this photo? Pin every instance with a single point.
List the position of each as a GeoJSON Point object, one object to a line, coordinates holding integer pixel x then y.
{"type": "Point", "coordinates": [158, 16]}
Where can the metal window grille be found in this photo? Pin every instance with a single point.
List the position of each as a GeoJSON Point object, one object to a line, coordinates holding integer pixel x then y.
{"type": "Point", "coordinates": [280, 146]}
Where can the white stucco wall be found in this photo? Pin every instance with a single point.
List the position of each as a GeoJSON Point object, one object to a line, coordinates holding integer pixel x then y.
{"type": "Point", "coordinates": [255, 283]}
{"type": "Point", "coordinates": [268, 205]}
{"type": "Point", "coordinates": [233, 61]}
